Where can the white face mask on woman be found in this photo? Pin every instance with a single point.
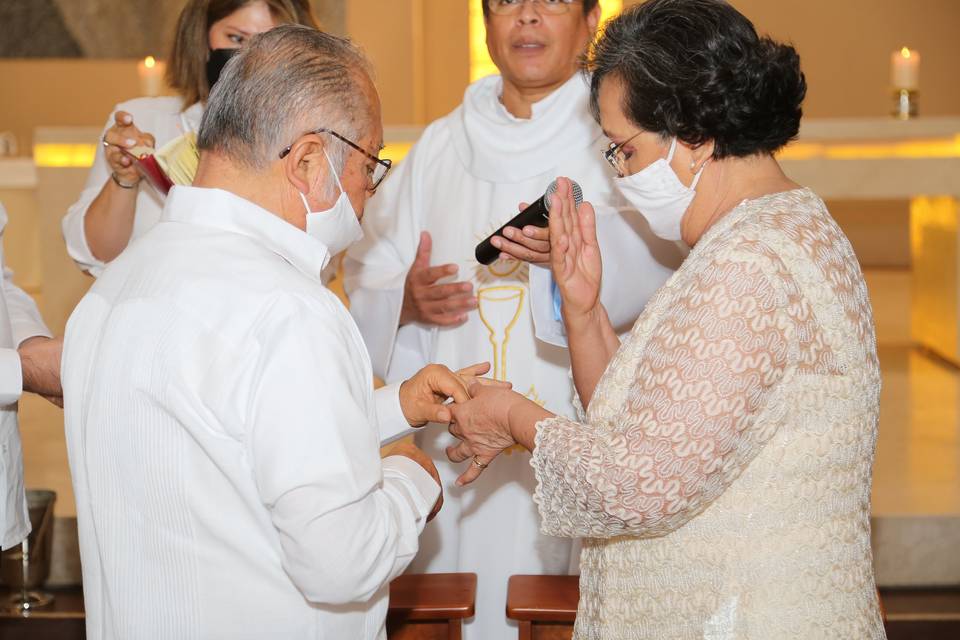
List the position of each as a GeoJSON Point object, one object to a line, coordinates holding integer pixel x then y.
{"type": "Point", "coordinates": [657, 193]}
{"type": "Point", "coordinates": [338, 226]}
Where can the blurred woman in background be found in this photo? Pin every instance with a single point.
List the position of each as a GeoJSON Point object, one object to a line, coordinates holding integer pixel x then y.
{"type": "Point", "coordinates": [114, 207]}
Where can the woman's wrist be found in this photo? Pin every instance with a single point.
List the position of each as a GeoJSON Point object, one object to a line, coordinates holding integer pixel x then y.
{"type": "Point", "coordinates": [583, 321]}
{"type": "Point", "coordinates": [523, 415]}
{"type": "Point", "coordinates": [123, 184]}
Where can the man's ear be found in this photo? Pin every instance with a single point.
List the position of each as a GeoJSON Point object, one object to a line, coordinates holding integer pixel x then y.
{"type": "Point", "coordinates": [306, 164]}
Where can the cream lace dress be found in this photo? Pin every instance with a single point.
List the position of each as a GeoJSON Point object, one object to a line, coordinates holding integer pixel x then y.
{"type": "Point", "coordinates": [721, 476]}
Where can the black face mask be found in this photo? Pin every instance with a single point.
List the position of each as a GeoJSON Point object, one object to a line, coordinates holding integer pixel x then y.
{"type": "Point", "coordinates": [216, 62]}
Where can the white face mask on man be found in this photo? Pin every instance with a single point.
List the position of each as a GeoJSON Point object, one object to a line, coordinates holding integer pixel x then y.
{"type": "Point", "coordinates": [657, 193]}
{"type": "Point", "coordinates": [338, 226]}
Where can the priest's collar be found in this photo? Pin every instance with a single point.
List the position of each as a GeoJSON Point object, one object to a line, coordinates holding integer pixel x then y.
{"type": "Point", "coordinates": [497, 146]}
{"type": "Point", "coordinates": [227, 211]}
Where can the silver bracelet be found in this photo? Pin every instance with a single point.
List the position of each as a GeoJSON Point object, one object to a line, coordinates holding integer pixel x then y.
{"type": "Point", "coordinates": [123, 185]}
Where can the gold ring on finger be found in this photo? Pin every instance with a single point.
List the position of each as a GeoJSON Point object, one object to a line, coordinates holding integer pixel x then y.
{"type": "Point", "coordinates": [480, 465]}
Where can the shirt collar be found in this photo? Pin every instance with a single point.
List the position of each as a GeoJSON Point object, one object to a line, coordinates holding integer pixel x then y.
{"type": "Point", "coordinates": [224, 210]}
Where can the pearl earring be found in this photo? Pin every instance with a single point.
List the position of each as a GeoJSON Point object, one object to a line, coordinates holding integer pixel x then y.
{"type": "Point", "coordinates": [693, 165]}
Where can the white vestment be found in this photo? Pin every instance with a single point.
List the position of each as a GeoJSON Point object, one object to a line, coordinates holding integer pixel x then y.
{"type": "Point", "coordinates": [462, 180]}
{"type": "Point", "coordinates": [165, 119]}
{"type": "Point", "coordinates": [223, 438]}
{"type": "Point", "coordinates": [19, 320]}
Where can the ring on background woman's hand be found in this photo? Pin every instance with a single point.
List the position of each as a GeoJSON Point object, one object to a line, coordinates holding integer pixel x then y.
{"type": "Point", "coordinates": [479, 464]}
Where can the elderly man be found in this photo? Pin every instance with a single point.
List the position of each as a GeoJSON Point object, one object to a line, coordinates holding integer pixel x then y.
{"type": "Point", "coordinates": [29, 361]}
{"type": "Point", "coordinates": [221, 422]}
{"type": "Point", "coordinates": [513, 134]}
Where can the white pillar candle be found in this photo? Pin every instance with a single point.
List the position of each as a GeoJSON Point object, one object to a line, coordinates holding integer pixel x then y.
{"type": "Point", "coordinates": [905, 69]}
{"type": "Point", "coordinates": [151, 71]}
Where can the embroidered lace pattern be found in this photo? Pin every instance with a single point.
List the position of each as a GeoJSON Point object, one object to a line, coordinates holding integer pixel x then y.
{"type": "Point", "coordinates": [721, 474]}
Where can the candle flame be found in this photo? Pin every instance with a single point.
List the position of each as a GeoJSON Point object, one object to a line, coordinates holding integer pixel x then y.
{"type": "Point", "coordinates": [905, 52]}
{"type": "Point", "coordinates": [150, 61]}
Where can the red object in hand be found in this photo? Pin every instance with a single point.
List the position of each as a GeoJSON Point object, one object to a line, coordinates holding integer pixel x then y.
{"type": "Point", "coordinates": [150, 169]}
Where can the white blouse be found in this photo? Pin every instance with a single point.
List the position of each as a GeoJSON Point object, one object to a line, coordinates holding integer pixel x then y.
{"type": "Point", "coordinates": [165, 119]}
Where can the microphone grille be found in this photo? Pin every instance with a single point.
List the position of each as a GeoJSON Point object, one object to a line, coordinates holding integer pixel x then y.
{"type": "Point", "coordinates": [574, 187]}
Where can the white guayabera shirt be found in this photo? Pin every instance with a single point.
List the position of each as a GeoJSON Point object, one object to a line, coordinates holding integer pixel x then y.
{"type": "Point", "coordinates": [462, 180]}
{"type": "Point", "coordinates": [19, 320]}
{"type": "Point", "coordinates": [223, 438]}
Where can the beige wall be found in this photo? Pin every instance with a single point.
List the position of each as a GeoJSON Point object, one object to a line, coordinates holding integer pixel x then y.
{"type": "Point", "coordinates": [845, 48]}
{"type": "Point", "coordinates": [420, 51]}
{"type": "Point", "coordinates": [36, 93]}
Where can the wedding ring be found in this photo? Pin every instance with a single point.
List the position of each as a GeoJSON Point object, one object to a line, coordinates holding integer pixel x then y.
{"type": "Point", "coordinates": [478, 463]}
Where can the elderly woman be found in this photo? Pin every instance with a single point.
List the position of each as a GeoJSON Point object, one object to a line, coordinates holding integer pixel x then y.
{"type": "Point", "coordinates": [721, 472]}
{"type": "Point", "coordinates": [114, 208]}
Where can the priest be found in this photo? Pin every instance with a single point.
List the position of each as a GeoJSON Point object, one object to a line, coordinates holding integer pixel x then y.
{"type": "Point", "coordinates": [221, 423]}
{"type": "Point", "coordinates": [418, 294]}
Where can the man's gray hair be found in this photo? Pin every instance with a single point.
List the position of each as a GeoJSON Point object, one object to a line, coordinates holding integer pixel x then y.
{"type": "Point", "coordinates": [283, 84]}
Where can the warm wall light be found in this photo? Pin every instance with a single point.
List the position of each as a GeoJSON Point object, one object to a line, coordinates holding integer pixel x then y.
{"type": "Point", "coordinates": [480, 63]}
{"type": "Point", "coordinates": [63, 155]}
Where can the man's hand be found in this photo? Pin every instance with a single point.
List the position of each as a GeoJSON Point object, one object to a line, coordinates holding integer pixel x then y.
{"type": "Point", "coordinates": [530, 244]}
{"type": "Point", "coordinates": [414, 453]}
{"type": "Point", "coordinates": [40, 363]}
{"type": "Point", "coordinates": [422, 397]}
{"type": "Point", "coordinates": [429, 303]}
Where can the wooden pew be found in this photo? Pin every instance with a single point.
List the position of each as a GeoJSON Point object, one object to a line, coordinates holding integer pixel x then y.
{"type": "Point", "coordinates": [430, 606]}
{"type": "Point", "coordinates": [545, 606]}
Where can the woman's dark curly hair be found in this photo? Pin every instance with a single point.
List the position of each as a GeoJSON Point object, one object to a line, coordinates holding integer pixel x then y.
{"type": "Point", "coordinates": [697, 69]}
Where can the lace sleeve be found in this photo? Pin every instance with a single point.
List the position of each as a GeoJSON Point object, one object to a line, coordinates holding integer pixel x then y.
{"type": "Point", "coordinates": [687, 427]}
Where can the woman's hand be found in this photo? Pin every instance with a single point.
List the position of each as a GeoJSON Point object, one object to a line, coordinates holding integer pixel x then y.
{"type": "Point", "coordinates": [124, 135]}
{"type": "Point", "coordinates": [493, 419]}
{"type": "Point", "coordinates": [574, 253]}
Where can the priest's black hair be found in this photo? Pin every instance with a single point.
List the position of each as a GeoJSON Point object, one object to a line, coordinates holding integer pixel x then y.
{"type": "Point", "coordinates": [697, 69]}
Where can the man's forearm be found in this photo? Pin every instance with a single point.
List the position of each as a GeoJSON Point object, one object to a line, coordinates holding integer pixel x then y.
{"type": "Point", "coordinates": [40, 363]}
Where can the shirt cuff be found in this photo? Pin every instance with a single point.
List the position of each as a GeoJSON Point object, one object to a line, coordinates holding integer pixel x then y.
{"type": "Point", "coordinates": [390, 419]}
{"type": "Point", "coordinates": [11, 377]}
{"type": "Point", "coordinates": [426, 487]}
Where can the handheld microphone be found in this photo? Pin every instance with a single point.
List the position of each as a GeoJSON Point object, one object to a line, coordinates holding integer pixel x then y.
{"type": "Point", "coordinates": [537, 214]}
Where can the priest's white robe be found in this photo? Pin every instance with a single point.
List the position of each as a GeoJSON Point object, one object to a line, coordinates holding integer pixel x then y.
{"type": "Point", "coordinates": [462, 180]}
{"type": "Point", "coordinates": [223, 438]}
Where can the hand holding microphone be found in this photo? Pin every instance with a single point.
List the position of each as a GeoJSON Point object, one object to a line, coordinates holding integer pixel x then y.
{"type": "Point", "coordinates": [527, 230]}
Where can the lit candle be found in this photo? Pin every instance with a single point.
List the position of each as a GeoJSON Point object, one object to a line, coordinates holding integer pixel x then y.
{"type": "Point", "coordinates": [905, 69]}
{"type": "Point", "coordinates": [151, 73]}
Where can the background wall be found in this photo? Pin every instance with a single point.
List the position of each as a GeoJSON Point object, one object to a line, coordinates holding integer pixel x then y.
{"type": "Point", "coordinates": [420, 51]}
{"type": "Point", "coordinates": [845, 48]}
